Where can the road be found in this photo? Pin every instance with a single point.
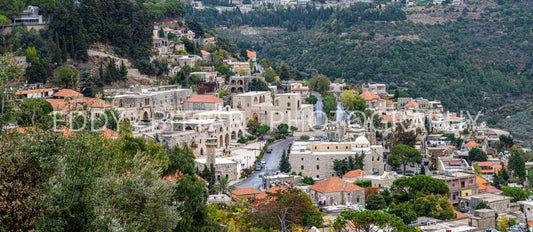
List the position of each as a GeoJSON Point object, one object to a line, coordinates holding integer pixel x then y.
{"type": "Point", "coordinates": [319, 117]}
{"type": "Point", "coordinates": [272, 160]}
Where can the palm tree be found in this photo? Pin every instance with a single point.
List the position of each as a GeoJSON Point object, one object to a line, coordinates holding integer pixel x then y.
{"type": "Point", "coordinates": [223, 185]}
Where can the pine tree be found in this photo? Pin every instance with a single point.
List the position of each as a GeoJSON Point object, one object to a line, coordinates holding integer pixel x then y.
{"type": "Point", "coordinates": [123, 72]}
{"type": "Point", "coordinates": [284, 164]}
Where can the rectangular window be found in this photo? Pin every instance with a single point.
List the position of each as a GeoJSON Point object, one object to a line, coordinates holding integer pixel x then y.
{"type": "Point", "coordinates": [317, 167]}
{"type": "Point", "coordinates": [302, 167]}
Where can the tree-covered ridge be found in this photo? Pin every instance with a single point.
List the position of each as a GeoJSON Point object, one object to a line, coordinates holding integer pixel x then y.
{"type": "Point", "coordinates": [468, 64]}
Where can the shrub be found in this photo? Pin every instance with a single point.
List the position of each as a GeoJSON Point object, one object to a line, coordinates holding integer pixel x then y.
{"type": "Point", "coordinates": [251, 137]}
{"type": "Point", "coordinates": [304, 137]}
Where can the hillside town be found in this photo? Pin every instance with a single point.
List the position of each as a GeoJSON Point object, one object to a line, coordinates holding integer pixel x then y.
{"type": "Point", "coordinates": [268, 148]}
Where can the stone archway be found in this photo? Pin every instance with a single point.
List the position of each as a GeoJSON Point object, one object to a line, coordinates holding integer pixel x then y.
{"type": "Point", "coordinates": [240, 89]}
{"type": "Point", "coordinates": [239, 82]}
{"type": "Point", "coordinates": [233, 89]}
{"type": "Point", "coordinates": [228, 141]}
{"type": "Point", "coordinates": [221, 142]}
{"type": "Point", "coordinates": [255, 117]}
{"type": "Point", "coordinates": [201, 151]}
{"type": "Point", "coordinates": [255, 100]}
{"type": "Point", "coordinates": [233, 82]}
{"type": "Point", "coordinates": [240, 133]}
{"type": "Point", "coordinates": [121, 103]}
{"type": "Point", "coordinates": [233, 136]}
{"type": "Point", "coordinates": [145, 115]}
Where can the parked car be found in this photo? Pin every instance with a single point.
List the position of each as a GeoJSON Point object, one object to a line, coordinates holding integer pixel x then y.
{"type": "Point", "coordinates": [258, 167]}
{"type": "Point", "coordinates": [269, 149]}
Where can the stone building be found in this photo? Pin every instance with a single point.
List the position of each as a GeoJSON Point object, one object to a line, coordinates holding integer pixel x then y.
{"type": "Point", "coordinates": [483, 219]}
{"type": "Point", "coordinates": [316, 159]}
{"type": "Point", "coordinates": [149, 103]}
{"type": "Point", "coordinates": [223, 167]}
{"type": "Point", "coordinates": [500, 203]}
{"type": "Point", "coordinates": [287, 108]}
{"type": "Point", "coordinates": [239, 84]}
{"type": "Point", "coordinates": [203, 102]}
{"type": "Point", "coordinates": [206, 76]}
{"type": "Point", "coordinates": [335, 191]}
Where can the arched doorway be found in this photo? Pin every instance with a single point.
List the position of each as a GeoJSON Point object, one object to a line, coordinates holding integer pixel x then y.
{"type": "Point", "coordinates": [201, 151]}
{"type": "Point", "coordinates": [233, 89]}
{"type": "Point", "coordinates": [233, 82]}
{"type": "Point", "coordinates": [233, 136]}
{"type": "Point", "coordinates": [255, 117]}
{"type": "Point", "coordinates": [255, 100]}
{"type": "Point", "coordinates": [240, 89]}
{"type": "Point", "coordinates": [227, 139]}
{"type": "Point", "coordinates": [145, 115]}
{"type": "Point", "coordinates": [121, 103]}
{"type": "Point", "coordinates": [239, 82]}
{"type": "Point", "coordinates": [221, 141]}
{"type": "Point", "coordinates": [240, 133]}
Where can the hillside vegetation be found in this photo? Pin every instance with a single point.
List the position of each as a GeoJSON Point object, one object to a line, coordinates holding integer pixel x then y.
{"type": "Point", "coordinates": [473, 63]}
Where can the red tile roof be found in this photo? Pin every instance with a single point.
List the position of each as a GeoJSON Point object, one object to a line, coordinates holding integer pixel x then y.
{"type": "Point", "coordinates": [67, 93]}
{"type": "Point", "coordinates": [368, 96]}
{"type": "Point", "coordinates": [492, 189]}
{"type": "Point", "coordinates": [264, 194]}
{"type": "Point", "coordinates": [411, 104]}
{"type": "Point", "coordinates": [251, 53]}
{"type": "Point", "coordinates": [34, 91]}
{"type": "Point", "coordinates": [108, 133]}
{"type": "Point", "coordinates": [205, 53]}
{"type": "Point", "coordinates": [204, 99]}
{"type": "Point", "coordinates": [245, 191]}
{"type": "Point", "coordinates": [389, 102]}
{"type": "Point", "coordinates": [453, 119]}
{"type": "Point", "coordinates": [64, 104]}
{"type": "Point", "coordinates": [172, 178]}
{"type": "Point", "coordinates": [335, 184]}
{"type": "Point", "coordinates": [482, 183]}
{"type": "Point", "coordinates": [433, 116]}
{"type": "Point", "coordinates": [471, 144]}
{"type": "Point", "coordinates": [354, 173]}
{"type": "Point", "coordinates": [480, 137]}
{"type": "Point", "coordinates": [460, 215]}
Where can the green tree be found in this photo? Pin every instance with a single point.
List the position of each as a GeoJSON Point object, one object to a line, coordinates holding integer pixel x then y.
{"type": "Point", "coordinates": [253, 126]}
{"type": "Point", "coordinates": [403, 135]}
{"type": "Point", "coordinates": [434, 206]}
{"type": "Point", "coordinates": [403, 210]}
{"type": "Point", "coordinates": [308, 180]}
{"type": "Point", "coordinates": [516, 193]}
{"type": "Point", "coordinates": [257, 85]}
{"type": "Point", "coordinates": [293, 129]}
{"type": "Point", "coordinates": [283, 128]}
{"type": "Point", "coordinates": [503, 223]}
{"type": "Point", "coordinates": [410, 188]}
{"type": "Point", "coordinates": [375, 202]}
{"type": "Point", "coordinates": [35, 112]}
{"type": "Point", "coordinates": [367, 219]}
{"type": "Point", "coordinates": [402, 155]}
{"type": "Point", "coordinates": [507, 141]}
{"type": "Point", "coordinates": [476, 154]}
{"type": "Point", "coordinates": [284, 164]}
{"type": "Point", "coordinates": [285, 208]}
{"type": "Point", "coordinates": [223, 186]}
{"type": "Point", "coordinates": [482, 205]}
{"type": "Point", "coordinates": [517, 164]}
{"type": "Point", "coordinates": [66, 77]}
{"type": "Point", "coordinates": [269, 74]}
{"type": "Point", "coordinates": [263, 129]}
{"type": "Point", "coordinates": [320, 84]}
{"type": "Point", "coordinates": [312, 99]}
{"type": "Point", "coordinates": [353, 101]}
{"type": "Point", "coordinates": [329, 104]}
{"type": "Point", "coordinates": [477, 170]}
{"type": "Point", "coordinates": [195, 78]}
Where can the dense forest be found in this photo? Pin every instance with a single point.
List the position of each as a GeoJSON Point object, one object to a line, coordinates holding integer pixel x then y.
{"type": "Point", "coordinates": [469, 64]}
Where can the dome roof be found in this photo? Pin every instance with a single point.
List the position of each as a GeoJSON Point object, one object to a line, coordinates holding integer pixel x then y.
{"type": "Point", "coordinates": [361, 140]}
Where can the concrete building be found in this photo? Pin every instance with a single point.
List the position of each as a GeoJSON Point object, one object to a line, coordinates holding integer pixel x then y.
{"type": "Point", "coordinates": [379, 89]}
{"type": "Point", "coordinates": [206, 76]}
{"type": "Point", "coordinates": [316, 159]}
{"type": "Point", "coordinates": [378, 181]}
{"type": "Point", "coordinates": [335, 191]}
{"type": "Point", "coordinates": [337, 89]}
{"type": "Point", "coordinates": [483, 219]}
{"type": "Point", "coordinates": [223, 167]}
{"type": "Point", "coordinates": [500, 203]}
{"type": "Point", "coordinates": [460, 184]}
{"type": "Point", "coordinates": [30, 16]}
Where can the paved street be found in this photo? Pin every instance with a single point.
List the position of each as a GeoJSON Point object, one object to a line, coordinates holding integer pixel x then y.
{"type": "Point", "coordinates": [272, 165]}
{"type": "Point", "coordinates": [319, 117]}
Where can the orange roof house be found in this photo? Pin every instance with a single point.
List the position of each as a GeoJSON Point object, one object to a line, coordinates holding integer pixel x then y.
{"type": "Point", "coordinates": [482, 183]}
{"type": "Point", "coordinates": [411, 104]}
{"type": "Point", "coordinates": [245, 193]}
{"type": "Point", "coordinates": [337, 191]}
{"type": "Point", "coordinates": [335, 184]}
{"type": "Point", "coordinates": [172, 178]}
{"type": "Point", "coordinates": [354, 173]}
{"type": "Point", "coordinates": [388, 118]}
{"type": "Point", "coordinates": [471, 144]}
{"type": "Point", "coordinates": [205, 53]}
{"type": "Point", "coordinates": [108, 133]}
{"type": "Point", "coordinates": [251, 53]}
{"type": "Point", "coordinates": [203, 99]}
{"type": "Point", "coordinates": [264, 195]}
{"type": "Point", "coordinates": [369, 96]}
{"type": "Point", "coordinates": [67, 93]}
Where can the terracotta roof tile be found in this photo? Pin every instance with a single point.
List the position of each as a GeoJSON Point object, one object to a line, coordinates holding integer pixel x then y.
{"type": "Point", "coordinates": [251, 53]}
{"type": "Point", "coordinates": [492, 189]}
{"type": "Point", "coordinates": [389, 102]}
{"type": "Point", "coordinates": [389, 118]}
{"type": "Point", "coordinates": [108, 133]}
{"type": "Point", "coordinates": [264, 194]}
{"type": "Point", "coordinates": [205, 53]}
{"type": "Point", "coordinates": [34, 91]}
{"type": "Point", "coordinates": [368, 96]}
{"type": "Point", "coordinates": [354, 173]}
{"type": "Point", "coordinates": [172, 178]}
{"type": "Point", "coordinates": [245, 191]}
{"type": "Point", "coordinates": [482, 183]}
{"type": "Point", "coordinates": [411, 104]}
{"type": "Point", "coordinates": [460, 215]}
{"type": "Point", "coordinates": [67, 93]}
{"type": "Point", "coordinates": [471, 144]}
{"type": "Point", "coordinates": [204, 99]}
{"type": "Point", "coordinates": [335, 184]}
